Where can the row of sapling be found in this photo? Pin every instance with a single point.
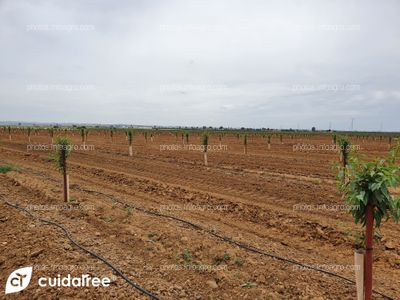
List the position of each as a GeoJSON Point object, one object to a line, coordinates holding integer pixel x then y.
{"type": "Point", "coordinates": [146, 136]}
{"type": "Point", "coordinates": [29, 131]}
{"type": "Point", "coordinates": [366, 188]}
{"type": "Point", "coordinates": [220, 139]}
{"type": "Point", "coordinates": [51, 134]}
{"type": "Point", "coordinates": [334, 139]}
{"type": "Point", "coordinates": [112, 131]}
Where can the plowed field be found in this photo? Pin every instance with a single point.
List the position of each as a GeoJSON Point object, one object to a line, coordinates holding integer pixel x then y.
{"type": "Point", "coordinates": [271, 200]}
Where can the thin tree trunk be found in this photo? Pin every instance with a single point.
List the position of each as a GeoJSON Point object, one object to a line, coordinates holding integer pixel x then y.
{"type": "Point", "coordinates": [68, 187]}
{"type": "Point", "coordinates": [130, 150]}
{"type": "Point", "coordinates": [65, 177]}
{"type": "Point", "coordinates": [205, 159]}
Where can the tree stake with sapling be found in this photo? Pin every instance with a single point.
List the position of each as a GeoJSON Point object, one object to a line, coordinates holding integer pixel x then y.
{"type": "Point", "coordinates": [63, 150]}
{"type": "Point", "coordinates": [187, 138]}
{"type": "Point", "coordinates": [344, 148]}
{"type": "Point", "coordinates": [245, 143]}
{"type": "Point", "coordinates": [112, 134]}
{"type": "Point", "coordinates": [205, 146]}
{"type": "Point", "coordinates": [82, 132]}
{"type": "Point", "coordinates": [29, 133]}
{"type": "Point", "coordinates": [130, 139]}
{"type": "Point", "coordinates": [86, 135]}
{"type": "Point", "coordinates": [366, 191]}
{"type": "Point", "coordinates": [51, 134]}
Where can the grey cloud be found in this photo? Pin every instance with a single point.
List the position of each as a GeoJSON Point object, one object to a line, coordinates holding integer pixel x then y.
{"type": "Point", "coordinates": [254, 51]}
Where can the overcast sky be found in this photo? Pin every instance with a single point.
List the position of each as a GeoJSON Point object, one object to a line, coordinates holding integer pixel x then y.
{"type": "Point", "coordinates": [277, 64]}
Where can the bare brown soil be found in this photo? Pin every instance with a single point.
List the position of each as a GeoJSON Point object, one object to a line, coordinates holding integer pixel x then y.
{"type": "Point", "coordinates": [254, 199]}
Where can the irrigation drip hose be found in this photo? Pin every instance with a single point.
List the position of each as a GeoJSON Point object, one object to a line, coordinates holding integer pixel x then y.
{"type": "Point", "coordinates": [68, 235]}
{"type": "Point", "coordinates": [233, 242]}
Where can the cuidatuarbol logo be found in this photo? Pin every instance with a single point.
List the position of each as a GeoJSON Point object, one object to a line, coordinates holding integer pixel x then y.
{"type": "Point", "coordinates": [68, 281]}
{"type": "Point", "coordinates": [18, 280]}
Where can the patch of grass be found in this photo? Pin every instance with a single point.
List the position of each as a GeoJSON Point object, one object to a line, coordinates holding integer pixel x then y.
{"type": "Point", "coordinates": [72, 200]}
{"type": "Point", "coordinates": [186, 256]}
{"type": "Point", "coordinates": [7, 168]}
{"type": "Point", "coordinates": [129, 211]}
{"type": "Point", "coordinates": [248, 285]}
{"type": "Point", "coordinates": [224, 258]}
{"type": "Point", "coordinates": [238, 261]}
{"type": "Point", "coordinates": [107, 219]}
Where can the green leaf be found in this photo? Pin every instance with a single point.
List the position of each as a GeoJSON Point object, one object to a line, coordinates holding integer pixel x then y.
{"type": "Point", "coordinates": [375, 186]}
